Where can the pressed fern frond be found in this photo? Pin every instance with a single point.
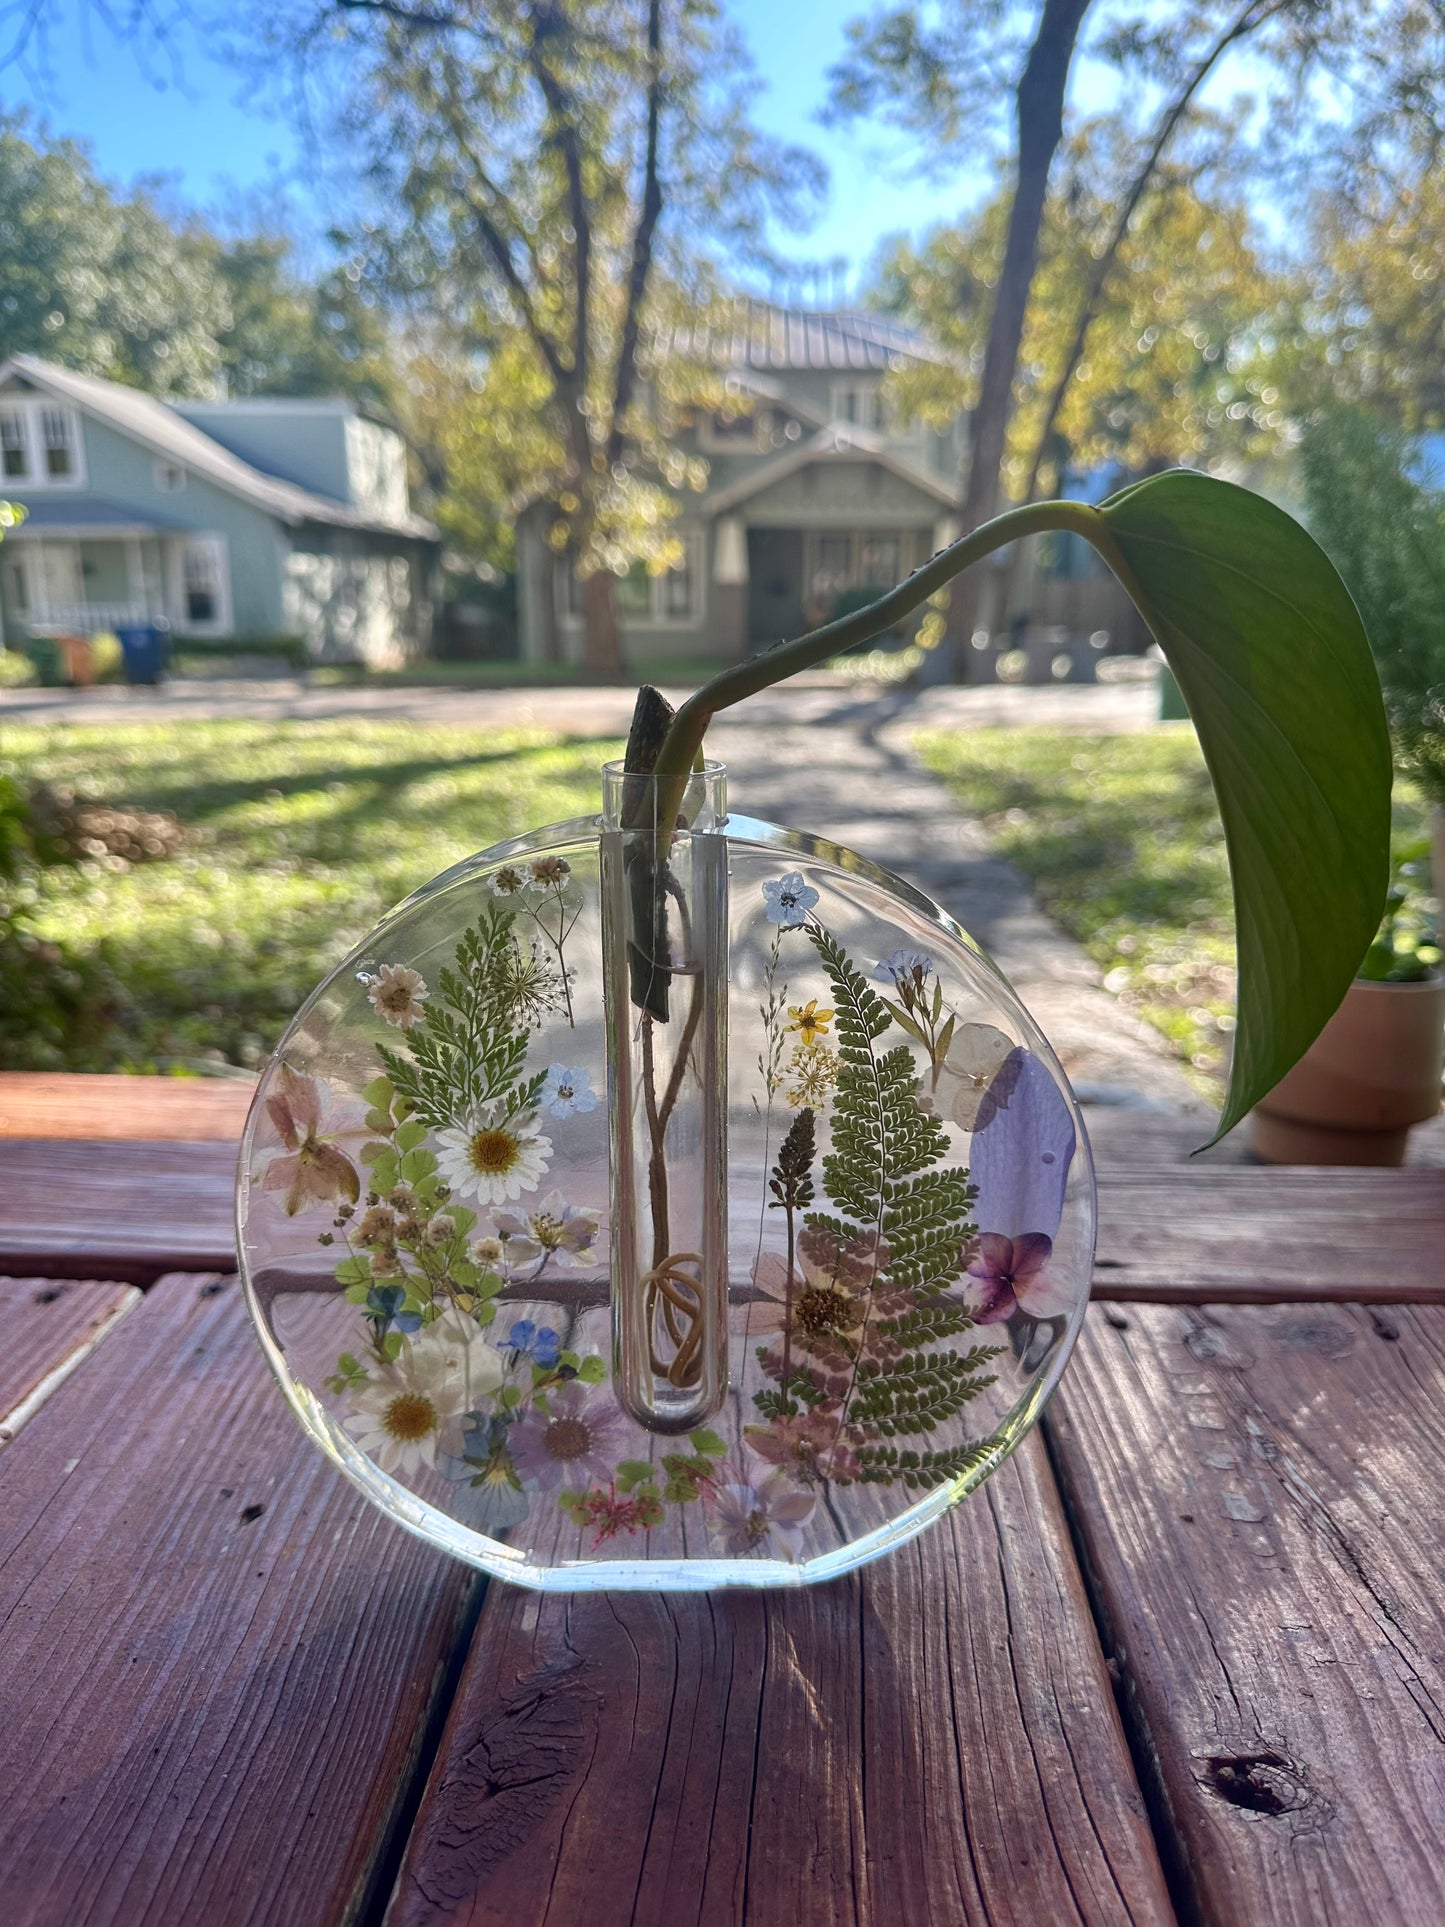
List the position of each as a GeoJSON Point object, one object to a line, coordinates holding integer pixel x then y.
{"type": "Point", "coordinates": [469, 1048]}
{"type": "Point", "coordinates": [889, 1465]}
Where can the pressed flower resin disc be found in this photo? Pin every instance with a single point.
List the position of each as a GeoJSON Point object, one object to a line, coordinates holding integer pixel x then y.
{"type": "Point", "coordinates": [889, 1186]}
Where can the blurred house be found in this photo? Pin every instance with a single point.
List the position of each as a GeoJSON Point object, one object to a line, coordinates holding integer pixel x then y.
{"type": "Point", "coordinates": [228, 520]}
{"type": "Point", "coordinates": [817, 499]}
{"type": "Point", "coordinates": [813, 491]}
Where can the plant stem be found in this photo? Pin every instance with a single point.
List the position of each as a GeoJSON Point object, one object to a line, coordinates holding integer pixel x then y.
{"type": "Point", "coordinates": [684, 738]}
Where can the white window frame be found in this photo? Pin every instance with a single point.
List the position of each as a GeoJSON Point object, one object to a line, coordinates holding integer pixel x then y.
{"type": "Point", "coordinates": [20, 416]}
{"type": "Point", "coordinates": [218, 550]}
{"type": "Point", "coordinates": [32, 411]}
{"type": "Point", "coordinates": [569, 594]}
{"type": "Point", "coordinates": [856, 539]}
{"type": "Point", "coordinates": [868, 405]}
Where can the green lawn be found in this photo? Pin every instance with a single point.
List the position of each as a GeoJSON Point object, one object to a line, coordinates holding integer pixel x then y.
{"type": "Point", "coordinates": [301, 835]}
{"type": "Point", "coordinates": [1121, 839]}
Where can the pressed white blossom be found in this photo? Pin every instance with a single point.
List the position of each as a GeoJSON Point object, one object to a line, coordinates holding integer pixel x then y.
{"type": "Point", "coordinates": [568, 1091]}
{"type": "Point", "coordinates": [493, 1158]}
{"type": "Point", "coordinates": [397, 993]}
{"type": "Point", "coordinates": [555, 1229]}
{"type": "Point", "coordinates": [749, 1517]}
{"type": "Point", "coordinates": [411, 1409]}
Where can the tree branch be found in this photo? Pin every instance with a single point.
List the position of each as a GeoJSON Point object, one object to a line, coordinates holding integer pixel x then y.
{"type": "Point", "coordinates": [547, 25]}
{"type": "Point", "coordinates": [1253, 15]}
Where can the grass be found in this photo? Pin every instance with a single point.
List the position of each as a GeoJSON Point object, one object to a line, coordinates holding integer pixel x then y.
{"type": "Point", "coordinates": [1122, 842]}
{"type": "Point", "coordinates": [302, 834]}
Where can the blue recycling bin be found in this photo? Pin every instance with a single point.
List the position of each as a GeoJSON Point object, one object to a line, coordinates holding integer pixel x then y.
{"type": "Point", "coordinates": [145, 647]}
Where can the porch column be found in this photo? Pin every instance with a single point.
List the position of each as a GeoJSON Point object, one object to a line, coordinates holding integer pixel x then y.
{"type": "Point", "coordinates": [730, 586]}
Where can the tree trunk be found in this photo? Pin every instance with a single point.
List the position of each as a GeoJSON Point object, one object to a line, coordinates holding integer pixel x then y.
{"type": "Point", "coordinates": [1040, 113]}
{"type": "Point", "coordinates": [601, 637]}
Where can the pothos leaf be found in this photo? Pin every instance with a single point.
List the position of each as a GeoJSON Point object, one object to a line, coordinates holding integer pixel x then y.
{"type": "Point", "coordinates": [1272, 659]}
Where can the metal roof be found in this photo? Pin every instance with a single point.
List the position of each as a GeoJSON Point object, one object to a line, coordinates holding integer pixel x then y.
{"type": "Point", "coordinates": [760, 335]}
{"type": "Point", "coordinates": [165, 433]}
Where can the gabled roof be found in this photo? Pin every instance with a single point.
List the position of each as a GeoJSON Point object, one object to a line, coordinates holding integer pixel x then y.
{"type": "Point", "coordinates": [763, 336]}
{"type": "Point", "coordinates": [150, 422]}
{"type": "Point", "coordinates": [839, 442]}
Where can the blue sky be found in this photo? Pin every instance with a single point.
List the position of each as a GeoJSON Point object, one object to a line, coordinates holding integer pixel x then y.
{"type": "Point", "coordinates": [198, 127]}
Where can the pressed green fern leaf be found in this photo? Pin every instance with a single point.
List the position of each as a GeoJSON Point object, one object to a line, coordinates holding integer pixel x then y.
{"type": "Point", "coordinates": [469, 1048]}
{"type": "Point", "coordinates": [890, 1465]}
{"type": "Point", "coordinates": [882, 1176]}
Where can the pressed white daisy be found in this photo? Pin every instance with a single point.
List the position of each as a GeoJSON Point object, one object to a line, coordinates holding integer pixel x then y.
{"type": "Point", "coordinates": [397, 993]}
{"type": "Point", "coordinates": [412, 1409]}
{"type": "Point", "coordinates": [494, 1157]}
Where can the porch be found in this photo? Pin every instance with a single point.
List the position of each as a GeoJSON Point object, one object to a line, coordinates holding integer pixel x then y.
{"type": "Point", "coordinates": [106, 571]}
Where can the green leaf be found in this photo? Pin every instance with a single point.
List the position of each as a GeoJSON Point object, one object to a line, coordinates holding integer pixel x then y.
{"type": "Point", "coordinates": [417, 1165]}
{"type": "Point", "coordinates": [592, 1371]}
{"type": "Point", "coordinates": [708, 1444]}
{"type": "Point", "coordinates": [353, 1271]}
{"type": "Point", "coordinates": [409, 1136]}
{"type": "Point", "coordinates": [1272, 659]}
{"type": "Point", "coordinates": [633, 1472]}
{"type": "Point", "coordinates": [379, 1093]}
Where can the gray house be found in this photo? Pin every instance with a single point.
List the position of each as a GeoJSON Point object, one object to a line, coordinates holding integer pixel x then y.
{"type": "Point", "coordinates": [813, 491]}
{"type": "Point", "coordinates": [228, 519]}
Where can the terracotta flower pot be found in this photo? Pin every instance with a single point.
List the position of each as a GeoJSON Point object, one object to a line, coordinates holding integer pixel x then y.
{"type": "Point", "coordinates": [1373, 1071]}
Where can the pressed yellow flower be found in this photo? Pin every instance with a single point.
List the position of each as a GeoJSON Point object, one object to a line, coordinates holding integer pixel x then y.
{"type": "Point", "coordinates": [809, 1022]}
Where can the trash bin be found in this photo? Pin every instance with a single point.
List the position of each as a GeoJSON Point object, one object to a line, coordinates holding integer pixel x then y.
{"type": "Point", "coordinates": [145, 648]}
{"type": "Point", "coordinates": [44, 654]}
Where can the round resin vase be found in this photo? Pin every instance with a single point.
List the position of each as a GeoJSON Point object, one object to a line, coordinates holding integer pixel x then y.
{"type": "Point", "coordinates": [666, 1207]}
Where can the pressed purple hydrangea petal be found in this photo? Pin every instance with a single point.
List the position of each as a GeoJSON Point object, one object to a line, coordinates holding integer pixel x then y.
{"type": "Point", "coordinates": [1022, 1148]}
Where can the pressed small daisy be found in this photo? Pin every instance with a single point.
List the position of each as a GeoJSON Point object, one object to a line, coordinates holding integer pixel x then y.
{"type": "Point", "coordinates": [788, 900]}
{"type": "Point", "coordinates": [397, 993]}
{"type": "Point", "coordinates": [488, 1253]}
{"type": "Point", "coordinates": [552, 871]}
{"type": "Point", "coordinates": [494, 1157]}
{"type": "Point", "coordinates": [508, 882]}
{"type": "Point", "coordinates": [568, 1091]}
{"type": "Point", "coordinates": [571, 1440]}
{"type": "Point", "coordinates": [411, 1409]}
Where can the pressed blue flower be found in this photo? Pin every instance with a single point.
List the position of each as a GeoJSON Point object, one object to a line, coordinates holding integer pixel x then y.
{"type": "Point", "coordinates": [546, 1347]}
{"type": "Point", "coordinates": [789, 900]}
{"type": "Point", "coordinates": [384, 1303]}
{"type": "Point", "coordinates": [903, 965]}
{"type": "Point", "coordinates": [567, 1090]}
{"type": "Point", "coordinates": [520, 1337]}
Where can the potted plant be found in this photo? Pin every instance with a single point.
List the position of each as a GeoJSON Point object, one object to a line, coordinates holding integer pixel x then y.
{"type": "Point", "coordinates": [1375, 1069]}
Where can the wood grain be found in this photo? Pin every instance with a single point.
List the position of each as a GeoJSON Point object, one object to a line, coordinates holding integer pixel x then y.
{"type": "Point", "coordinates": [50, 1326]}
{"type": "Point", "coordinates": [126, 1211]}
{"type": "Point", "coordinates": [1259, 1495]}
{"type": "Point", "coordinates": [76, 1104]}
{"type": "Point", "coordinates": [217, 1662]}
{"type": "Point", "coordinates": [933, 1740]}
{"type": "Point", "coordinates": [1254, 1235]}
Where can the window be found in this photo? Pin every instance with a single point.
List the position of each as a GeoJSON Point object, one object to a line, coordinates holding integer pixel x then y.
{"type": "Point", "coordinates": [170, 477]}
{"type": "Point", "coordinates": [642, 598]}
{"type": "Point", "coordinates": [860, 559]}
{"type": "Point", "coordinates": [203, 588]}
{"type": "Point", "coordinates": [58, 433]}
{"type": "Point", "coordinates": [725, 433]}
{"type": "Point", "coordinates": [13, 453]}
{"type": "Point", "coordinates": [858, 403]}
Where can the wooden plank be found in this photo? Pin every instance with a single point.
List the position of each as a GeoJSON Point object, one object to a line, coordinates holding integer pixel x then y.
{"type": "Point", "coordinates": [1256, 1235]}
{"type": "Point", "coordinates": [1259, 1495]}
{"type": "Point", "coordinates": [217, 1662]}
{"type": "Point", "coordinates": [76, 1104]}
{"type": "Point", "coordinates": [127, 1211]}
{"type": "Point", "coordinates": [50, 1326]}
{"type": "Point", "coordinates": [932, 1740]}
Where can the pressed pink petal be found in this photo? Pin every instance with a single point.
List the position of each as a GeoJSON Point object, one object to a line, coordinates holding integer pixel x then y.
{"type": "Point", "coordinates": [331, 1174]}
{"type": "Point", "coordinates": [279, 1112]}
{"type": "Point", "coordinates": [996, 1302]}
{"type": "Point", "coordinates": [792, 1510]}
{"type": "Point", "coordinates": [994, 1258]}
{"type": "Point", "coordinates": [770, 1274]}
{"type": "Point", "coordinates": [1032, 1252]}
{"type": "Point", "coordinates": [1045, 1296]}
{"type": "Point", "coordinates": [281, 1173]}
{"type": "Point", "coordinates": [303, 1097]}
